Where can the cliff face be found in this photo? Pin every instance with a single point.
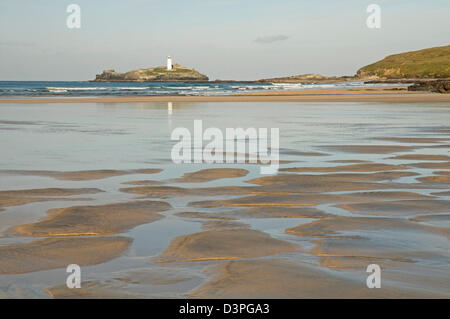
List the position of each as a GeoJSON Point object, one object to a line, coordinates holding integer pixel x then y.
{"type": "Point", "coordinates": [423, 64]}
{"type": "Point", "coordinates": [156, 74]}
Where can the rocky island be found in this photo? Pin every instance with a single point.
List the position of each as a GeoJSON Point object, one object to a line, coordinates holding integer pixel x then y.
{"type": "Point", "coordinates": [177, 73]}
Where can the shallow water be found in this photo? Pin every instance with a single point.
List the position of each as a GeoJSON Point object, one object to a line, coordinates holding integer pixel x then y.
{"type": "Point", "coordinates": [88, 136]}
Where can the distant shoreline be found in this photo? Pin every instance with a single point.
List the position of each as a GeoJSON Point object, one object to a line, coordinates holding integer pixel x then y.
{"type": "Point", "coordinates": [378, 94]}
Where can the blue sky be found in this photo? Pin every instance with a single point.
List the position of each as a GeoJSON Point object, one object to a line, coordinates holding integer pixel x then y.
{"type": "Point", "coordinates": [224, 39]}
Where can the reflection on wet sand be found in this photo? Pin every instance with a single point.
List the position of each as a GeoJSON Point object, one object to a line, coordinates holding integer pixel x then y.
{"type": "Point", "coordinates": [205, 231]}
{"type": "Point", "coordinates": [82, 175]}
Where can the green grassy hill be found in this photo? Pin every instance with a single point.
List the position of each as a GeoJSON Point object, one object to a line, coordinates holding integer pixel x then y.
{"type": "Point", "coordinates": [427, 63]}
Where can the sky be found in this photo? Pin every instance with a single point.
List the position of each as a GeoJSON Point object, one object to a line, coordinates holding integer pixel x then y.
{"type": "Point", "coordinates": [224, 39]}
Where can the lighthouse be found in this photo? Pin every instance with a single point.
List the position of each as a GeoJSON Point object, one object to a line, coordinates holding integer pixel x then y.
{"type": "Point", "coordinates": [169, 63]}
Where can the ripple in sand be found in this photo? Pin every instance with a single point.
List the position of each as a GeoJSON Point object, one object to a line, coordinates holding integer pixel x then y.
{"type": "Point", "coordinates": [25, 196]}
{"type": "Point", "coordinates": [398, 208]}
{"type": "Point", "coordinates": [341, 224]}
{"type": "Point", "coordinates": [222, 244]}
{"type": "Point", "coordinates": [53, 253]}
{"type": "Point", "coordinates": [440, 165]}
{"type": "Point", "coordinates": [198, 215]}
{"type": "Point", "coordinates": [281, 278]}
{"type": "Point", "coordinates": [266, 201]}
{"type": "Point", "coordinates": [298, 153]}
{"type": "Point", "coordinates": [438, 218]}
{"type": "Point", "coordinates": [362, 167]}
{"type": "Point", "coordinates": [317, 183]}
{"type": "Point", "coordinates": [421, 157]}
{"type": "Point", "coordinates": [441, 177]}
{"type": "Point", "coordinates": [82, 175]}
{"type": "Point", "coordinates": [94, 220]}
{"type": "Point", "coordinates": [369, 149]}
{"type": "Point", "coordinates": [91, 289]}
{"type": "Point", "coordinates": [221, 224]}
{"type": "Point", "coordinates": [211, 174]}
{"type": "Point", "coordinates": [144, 183]}
{"type": "Point", "coordinates": [441, 193]}
{"type": "Point", "coordinates": [278, 212]}
{"type": "Point", "coordinates": [136, 283]}
{"type": "Point", "coordinates": [419, 140]}
{"type": "Point", "coordinates": [283, 184]}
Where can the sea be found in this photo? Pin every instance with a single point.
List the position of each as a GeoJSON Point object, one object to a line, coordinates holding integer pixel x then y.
{"type": "Point", "coordinates": [90, 89]}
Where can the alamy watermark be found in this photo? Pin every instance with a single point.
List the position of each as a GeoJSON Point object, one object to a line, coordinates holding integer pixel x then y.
{"type": "Point", "coordinates": [228, 148]}
{"type": "Point", "coordinates": [374, 279]}
{"type": "Point", "coordinates": [74, 19]}
{"type": "Point", "coordinates": [374, 19]}
{"type": "Point", "coordinates": [74, 279]}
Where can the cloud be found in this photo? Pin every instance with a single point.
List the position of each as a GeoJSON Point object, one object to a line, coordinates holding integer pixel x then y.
{"type": "Point", "coordinates": [271, 38]}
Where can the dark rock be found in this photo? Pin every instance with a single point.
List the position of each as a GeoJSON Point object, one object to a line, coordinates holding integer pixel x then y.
{"type": "Point", "coordinates": [431, 86]}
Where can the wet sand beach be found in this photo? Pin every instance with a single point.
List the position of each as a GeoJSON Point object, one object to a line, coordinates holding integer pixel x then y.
{"type": "Point", "coordinates": [358, 184]}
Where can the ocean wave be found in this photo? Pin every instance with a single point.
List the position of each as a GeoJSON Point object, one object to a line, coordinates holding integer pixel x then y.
{"type": "Point", "coordinates": [96, 88]}
{"type": "Point", "coordinates": [73, 89]}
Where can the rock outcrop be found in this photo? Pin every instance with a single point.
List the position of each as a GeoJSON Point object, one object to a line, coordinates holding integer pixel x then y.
{"type": "Point", "coordinates": [432, 86]}
{"type": "Point", "coordinates": [157, 74]}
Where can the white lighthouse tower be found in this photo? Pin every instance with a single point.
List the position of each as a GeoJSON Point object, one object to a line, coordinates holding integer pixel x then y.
{"type": "Point", "coordinates": [169, 63]}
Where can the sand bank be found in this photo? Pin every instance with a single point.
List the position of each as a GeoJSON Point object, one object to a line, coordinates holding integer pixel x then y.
{"type": "Point", "coordinates": [342, 224]}
{"type": "Point", "coordinates": [55, 253]}
{"type": "Point", "coordinates": [223, 244]}
{"type": "Point", "coordinates": [422, 157]}
{"type": "Point", "coordinates": [369, 149]}
{"type": "Point", "coordinates": [199, 215]}
{"type": "Point", "coordinates": [281, 278]}
{"type": "Point", "coordinates": [171, 191]}
{"type": "Point", "coordinates": [438, 165]}
{"type": "Point", "coordinates": [25, 196]}
{"type": "Point", "coordinates": [126, 284]}
{"type": "Point", "coordinates": [90, 290]}
{"type": "Point", "coordinates": [398, 208]}
{"type": "Point", "coordinates": [439, 179]}
{"type": "Point", "coordinates": [211, 174]}
{"type": "Point", "coordinates": [94, 220]}
{"type": "Point", "coordinates": [278, 212]}
{"type": "Point", "coordinates": [414, 140]}
{"type": "Point", "coordinates": [143, 183]}
{"type": "Point", "coordinates": [363, 167]}
{"type": "Point", "coordinates": [447, 193]}
{"type": "Point", "coordinates": [222, 224]}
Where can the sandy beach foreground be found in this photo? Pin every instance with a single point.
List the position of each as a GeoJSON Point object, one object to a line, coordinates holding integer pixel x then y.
{"type": "Point", "coordinates": [358, 184]}
{"type": "Point", "coordinates": [376, 94]}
